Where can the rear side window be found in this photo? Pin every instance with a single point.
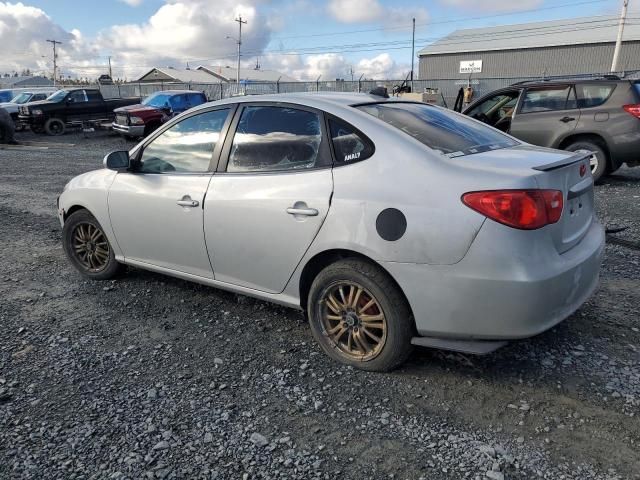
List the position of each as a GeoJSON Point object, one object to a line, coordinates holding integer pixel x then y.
{"type": "Point", "coordinates": [178, 102]}
{"type": "Point", "coordinates": [549, 99]}
{"type": "Point", "coordinates": [196, 99]}
{"type": "Point", "coordinates": [452, 134]}
{"type": "Point", "coordinates": [593, 95]}
{"type": "Point", "coordinates": [93, 96]}
{"type": "Point", "coordinates": [276, 139]}
{"type": "Point", "coordinates": [348, 145]}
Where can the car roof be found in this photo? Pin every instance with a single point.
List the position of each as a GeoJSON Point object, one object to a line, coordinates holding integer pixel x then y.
{"type": "Point", "coordinates": [544, 83]}
{"type": "Point", "coordinates": [319, 100]}
{"type": "Point", "coordinates": [176, 92]}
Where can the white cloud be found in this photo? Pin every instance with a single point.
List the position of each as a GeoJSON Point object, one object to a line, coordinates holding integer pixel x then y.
{"type": "Point", "coordinates": [24, 31]}
{"type": "Point", "coordinates": [187, 30]}
{"type": "Point", "coordinates": [355, 11]}
{"type": "Point", "coordinates": [368, 11]}
{"type": "Point", "coordinates": [179, 31]}
{"type": "Point", "coordinates": [330, 66]}
{"type": "Point", "coordinates": [494, 5]}
{"type": "Point", "coordinates": [132, 3]}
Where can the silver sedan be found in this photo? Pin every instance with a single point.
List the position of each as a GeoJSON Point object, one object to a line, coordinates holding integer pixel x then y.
{"type": "Point", "coordinates": [389, 223]}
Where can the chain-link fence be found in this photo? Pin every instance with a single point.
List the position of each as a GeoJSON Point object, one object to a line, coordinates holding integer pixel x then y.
{"type": "Point", "coordinates": [447, 88]}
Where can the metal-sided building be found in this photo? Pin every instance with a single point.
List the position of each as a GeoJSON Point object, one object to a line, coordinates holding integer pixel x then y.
{"type": "Point", "coordinates": [559, 47]}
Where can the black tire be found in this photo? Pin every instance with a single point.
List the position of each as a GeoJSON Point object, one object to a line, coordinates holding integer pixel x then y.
{"type": "Point", "coordinates": [77, 223]}
{"type": "Point", "coordinates": [376, 284]}
{"type": "Point", "coordinates": [600, 156]}
{"type": "Point", "coordinates": [2, 134]}
{"type": "Point", "coordinates": [54, 126]}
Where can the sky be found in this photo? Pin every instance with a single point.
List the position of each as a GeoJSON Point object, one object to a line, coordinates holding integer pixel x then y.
{"type": "Point", "coordinates": [305, 39]}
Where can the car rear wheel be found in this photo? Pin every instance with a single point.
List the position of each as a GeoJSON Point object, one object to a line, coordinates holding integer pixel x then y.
{"type": "Point", "coordinates": [359, 316]}
{"type": "Point", "coordinates": [598, 160]}
{"type": "Point", "coordinates": [88, 248]}
{"type": "Point", "coordinates": [54, 126]}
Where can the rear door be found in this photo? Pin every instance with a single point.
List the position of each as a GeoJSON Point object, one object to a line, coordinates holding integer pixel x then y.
{"type": "Point", "coordinates": [545, 115]}
{"type": "Point", "coordinates": [270, 196]}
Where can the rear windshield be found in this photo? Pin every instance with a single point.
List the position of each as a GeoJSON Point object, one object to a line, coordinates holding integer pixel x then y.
{"type": "Point", "coordinates": [451, 134]}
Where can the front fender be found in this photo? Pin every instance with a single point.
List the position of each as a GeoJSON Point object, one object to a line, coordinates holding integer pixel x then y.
{"type": "Point", "coordinates": [90, 191]}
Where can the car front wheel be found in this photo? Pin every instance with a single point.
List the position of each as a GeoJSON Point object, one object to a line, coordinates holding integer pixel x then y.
{"type": "Point", "coordinates": [88, 248]}
{"type": "Point", "coordinates": [359, 316]}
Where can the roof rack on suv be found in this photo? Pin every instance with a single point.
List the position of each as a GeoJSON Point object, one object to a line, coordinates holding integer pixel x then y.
{"type": "Point", "coordinates": [569, 79]}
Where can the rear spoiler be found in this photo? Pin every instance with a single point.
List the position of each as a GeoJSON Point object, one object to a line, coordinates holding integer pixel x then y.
{"type": "Point", "coordinates": [564, 162]}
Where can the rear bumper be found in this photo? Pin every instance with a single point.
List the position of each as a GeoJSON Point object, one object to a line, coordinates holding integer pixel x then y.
{"type": "Point", "coordinates": [515, 291]}
{"type": "Point", "coordinates": [130, 130]}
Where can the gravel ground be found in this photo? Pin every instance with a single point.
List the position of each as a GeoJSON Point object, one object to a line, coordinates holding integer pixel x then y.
{"type": "Point", "coordinates": [153, 377]}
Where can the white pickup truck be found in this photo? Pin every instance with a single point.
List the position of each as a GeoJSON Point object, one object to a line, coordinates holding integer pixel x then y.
{"type": "Point", "coordinates": [22, 97]}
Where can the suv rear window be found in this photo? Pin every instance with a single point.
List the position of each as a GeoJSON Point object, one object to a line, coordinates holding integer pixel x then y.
{"type": "Point", "coordinates": [593, 95]}
{"type": "Point", "coordinates": [452, 134]}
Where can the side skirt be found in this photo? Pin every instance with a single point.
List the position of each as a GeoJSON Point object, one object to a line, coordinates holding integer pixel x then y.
{"type": "Point", "coordinates": [278, 298]}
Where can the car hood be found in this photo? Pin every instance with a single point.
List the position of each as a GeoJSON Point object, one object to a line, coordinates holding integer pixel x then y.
{"type": "Point", "coordinates": [38, 103]}
{"type": "Point", "coordinates": [137, 108]}
{"type": "Point", "coordinates": [8, 104]}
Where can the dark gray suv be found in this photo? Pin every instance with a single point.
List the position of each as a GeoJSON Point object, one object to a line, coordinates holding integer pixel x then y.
{"type": "Point", "coordinates": [602, 116]}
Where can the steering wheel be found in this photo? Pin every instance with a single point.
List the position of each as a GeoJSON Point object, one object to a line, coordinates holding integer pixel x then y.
{"type": "Point", "coordinates": [504, 124]}
{"type": "Point", "coordinates": [482, 117]}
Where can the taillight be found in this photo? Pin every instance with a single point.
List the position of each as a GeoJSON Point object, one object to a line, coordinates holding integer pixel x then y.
{"type": "Point", "coordinates": [633, 110]}
{"type": "Point", "coordinates": [523, 209]}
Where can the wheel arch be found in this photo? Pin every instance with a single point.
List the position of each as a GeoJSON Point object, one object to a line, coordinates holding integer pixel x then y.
{"type": "Point", "coordinates": [323, 259]}
{"type": "Point", "coordinates": [588, 136]}
{"type": "Point", "coordinates": [74, 208]}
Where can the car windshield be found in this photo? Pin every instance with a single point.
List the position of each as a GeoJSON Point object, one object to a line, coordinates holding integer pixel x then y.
{"type": "Point", "coordinates": [452, 134]}
{"type": "Point", "coordinates": [21, 98]}
{"type": "Point", "coordinates": [158, 100]}
{"type": "Point", "coordinates": [58, 96]}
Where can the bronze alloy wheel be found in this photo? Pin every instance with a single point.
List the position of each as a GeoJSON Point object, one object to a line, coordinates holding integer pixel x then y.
{"type": "Point", "coordinates": [90, 247]}
{"type": "Point", "coordinates": [353, 321]}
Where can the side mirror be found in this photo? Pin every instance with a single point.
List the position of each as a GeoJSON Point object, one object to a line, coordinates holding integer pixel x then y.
{"type": "Point", "coordinates": [118, 160]}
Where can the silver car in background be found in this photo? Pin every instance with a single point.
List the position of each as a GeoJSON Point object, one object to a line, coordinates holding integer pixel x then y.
{"type": "Point", "coordinates": [390, 223]}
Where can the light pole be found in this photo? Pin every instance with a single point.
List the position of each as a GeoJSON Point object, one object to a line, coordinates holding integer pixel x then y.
{"type": "Point", "coordinates": [616, 51]}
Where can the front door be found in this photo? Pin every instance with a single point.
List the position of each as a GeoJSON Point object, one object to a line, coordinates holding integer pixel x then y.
{"type": "Point", "coordinates": [268, 202]}
{"type": "Point", "coordinates": [546, 115]}
{"type": "Point", "coordinates": [157, 210]}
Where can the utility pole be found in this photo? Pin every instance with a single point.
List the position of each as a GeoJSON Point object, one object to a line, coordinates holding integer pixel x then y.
{"type": "Point", "coordinates": [110, 74]}
{"type": "Point", "coordinates": [616, 52]}
{"type": "Point", "coordinates": [413, 47]}
{"type": "Point", "coordinates": [55, 59]}
{"type": "Point", "coordinates": [240, 22]}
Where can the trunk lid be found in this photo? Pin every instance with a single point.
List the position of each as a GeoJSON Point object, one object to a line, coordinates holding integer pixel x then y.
{"type": "Point", "coordinates": [568, 172]}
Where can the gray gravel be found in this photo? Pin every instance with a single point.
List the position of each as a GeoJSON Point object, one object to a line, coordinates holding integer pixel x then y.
{"type": "Point", "coordinates": [152, 377]}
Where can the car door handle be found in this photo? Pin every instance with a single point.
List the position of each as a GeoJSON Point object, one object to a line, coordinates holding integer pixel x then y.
{"type": "Point", "coordinates": [187, 202]}
{"type": "Point", "coordinates": [567, 119]}
{"type": "Point", "coordinates": [309, 212]}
